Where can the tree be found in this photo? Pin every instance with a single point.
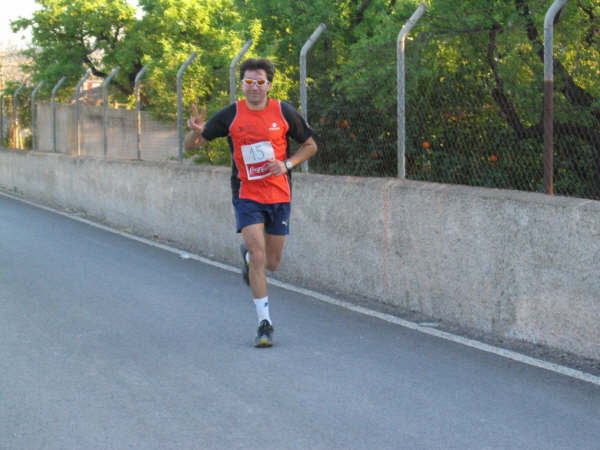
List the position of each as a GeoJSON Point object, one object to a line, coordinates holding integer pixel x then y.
{"type": "Point", "coordinates": [474, 76]}
{"type": "Point", "coordinates": [474, 99]}
{"type": "Point", "coordinates": [70, 36]}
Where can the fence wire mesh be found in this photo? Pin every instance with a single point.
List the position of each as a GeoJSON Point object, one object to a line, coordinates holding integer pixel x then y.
{"type": "Point", "coordinates": [474, 110]}
{"type": "Point", "coordinates": [474, 103]}
{"type": "Point", "coordinates": [577, 113]}
{"type": "Point", "coordinates": [354, 114]}
{"type": "Point", "coordinates": [466, 123]}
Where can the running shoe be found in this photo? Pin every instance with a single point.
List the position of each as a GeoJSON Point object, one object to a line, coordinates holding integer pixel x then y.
{"type": "Point", "coordinates": [264, 334]}
{"type": "Point", "coordinates": [245, 265]}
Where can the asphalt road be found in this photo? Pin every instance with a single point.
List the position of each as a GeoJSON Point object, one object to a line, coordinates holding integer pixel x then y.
{"type": "Point", "coordinates": [109, 343]}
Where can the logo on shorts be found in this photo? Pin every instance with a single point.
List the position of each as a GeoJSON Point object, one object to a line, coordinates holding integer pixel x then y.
{"type": "Point", "coordinates": [284, 223]}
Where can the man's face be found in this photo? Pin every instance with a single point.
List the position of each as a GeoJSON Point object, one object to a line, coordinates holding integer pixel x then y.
{"type": "Point", "coordinates": [255, 93]}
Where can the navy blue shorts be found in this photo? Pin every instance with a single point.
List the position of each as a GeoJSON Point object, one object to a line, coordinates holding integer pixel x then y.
{"type": "Point", "coordinates": [276, 217]}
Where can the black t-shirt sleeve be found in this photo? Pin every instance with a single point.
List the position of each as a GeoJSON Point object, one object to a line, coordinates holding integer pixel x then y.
{"type": "Point", "coordinates": [299, 130]}
{"type": "Point", "coordinates": [218, 125]}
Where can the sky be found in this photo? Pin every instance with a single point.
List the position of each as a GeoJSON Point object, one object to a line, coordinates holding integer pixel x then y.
{"type": "Point", "coordinates": [12, 10]}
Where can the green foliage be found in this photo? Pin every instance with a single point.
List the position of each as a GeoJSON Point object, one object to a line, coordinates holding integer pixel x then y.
{"type": "Point", "coordinates": [70, 36]}
{"type": "Point", "coordinates": [474, 95]}
{"type": "Point", "coordinates": [473, 77]}
{"type": "Point", "coordinates": [23, 94]}
{"type": "Point", "coordinates": [215, 153]}
{"type": "Point", "coordinates": [169, 32]}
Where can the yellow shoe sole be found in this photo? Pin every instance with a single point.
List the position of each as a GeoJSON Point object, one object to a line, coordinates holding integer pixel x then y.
{"type": "Point", "coordinates": [263, 342]}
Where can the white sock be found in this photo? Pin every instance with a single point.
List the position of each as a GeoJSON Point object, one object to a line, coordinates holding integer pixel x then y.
{"type": "Point", "coordinates": [262, 309]}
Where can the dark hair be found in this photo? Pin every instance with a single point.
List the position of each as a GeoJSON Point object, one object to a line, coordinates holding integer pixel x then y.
{"type": "Point", "coordinates": [257, 64]}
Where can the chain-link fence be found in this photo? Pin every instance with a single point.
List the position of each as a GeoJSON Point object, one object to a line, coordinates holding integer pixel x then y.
{"type": "Point", "coordinates": [354, 116]}
{"type": "Point", "coordinates": [474, 108]}
{"type": "Point", "coordinates": [466, 124]}
{"type": "Point", "coordinates": [577, 112]}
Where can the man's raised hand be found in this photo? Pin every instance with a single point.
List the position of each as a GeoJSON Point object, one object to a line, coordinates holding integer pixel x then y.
{"type": "Point", "coordinates": [196, 123]}
{"type": "Point", "coordinates": [198, 120]}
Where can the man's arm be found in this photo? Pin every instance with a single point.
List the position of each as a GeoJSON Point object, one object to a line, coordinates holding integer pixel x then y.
{"type": "Point", "coordinates": [193, 140]}
{"type": "Point", "coordinates": [300, 132]}
{"type": "Point", "coordinates": [304, 152]}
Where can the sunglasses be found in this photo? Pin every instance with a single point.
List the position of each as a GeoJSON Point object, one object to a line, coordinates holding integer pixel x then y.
{"type": "Point", "coordinates": [251, 82]}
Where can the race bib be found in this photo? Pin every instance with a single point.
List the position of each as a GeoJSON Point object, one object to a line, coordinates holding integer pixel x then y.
{"type": "Point", "coordinates": [256, 156]}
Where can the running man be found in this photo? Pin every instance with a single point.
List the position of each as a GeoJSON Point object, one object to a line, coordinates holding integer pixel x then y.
{"type": "Point", "coordinates": [257, 130]}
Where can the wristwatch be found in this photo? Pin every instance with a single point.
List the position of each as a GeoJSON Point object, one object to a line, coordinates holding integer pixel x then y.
{"type": "Point", "coordinates": [288, 164]}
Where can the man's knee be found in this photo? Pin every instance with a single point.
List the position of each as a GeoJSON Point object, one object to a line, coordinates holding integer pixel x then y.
{"type": "Point", "coordinates": [257, 256]}
{"type": "Point", "coordinates": [273, 263]}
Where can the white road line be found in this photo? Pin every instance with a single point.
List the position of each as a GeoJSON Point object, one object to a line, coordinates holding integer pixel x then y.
{"type": "Point", "coordinates": [509, 354]}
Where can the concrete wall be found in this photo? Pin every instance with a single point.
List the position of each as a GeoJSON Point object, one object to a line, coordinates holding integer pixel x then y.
{"type": "Point", "coordinates": [520, 265]}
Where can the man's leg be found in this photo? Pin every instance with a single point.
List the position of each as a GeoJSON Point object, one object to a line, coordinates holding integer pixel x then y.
{"type": "Point", "coordinates": [274, 248]}
{"type": "Point", "coordinates": [264, 245]}
{"type": "Point", "coordinates": [254, 237]}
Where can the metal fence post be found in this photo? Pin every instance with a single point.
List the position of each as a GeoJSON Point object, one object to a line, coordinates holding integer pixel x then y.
{"type": "Point", "coordinates": [33, 127]}
{"type": "Point", "coordinates": [303, 95]}
{"type": "Point", "coordinates": [138, 78]}
{"type": "Point", "coordinates": [105, 108]}
{"type": "Point", "coordinates": [180, 103]}
{"type": "Point", "coordinates": [554, 9]}
{"type": "Point", "coordinates": [78, 103]}
{"type": "Point", "coordinates": [15, 114]}
{"type": "Point", "coordinates": [401, 104]}
{"type": "Point", "coordinates": [56, 87]}
{"type": "Point", "coordinates": [232, 78]}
